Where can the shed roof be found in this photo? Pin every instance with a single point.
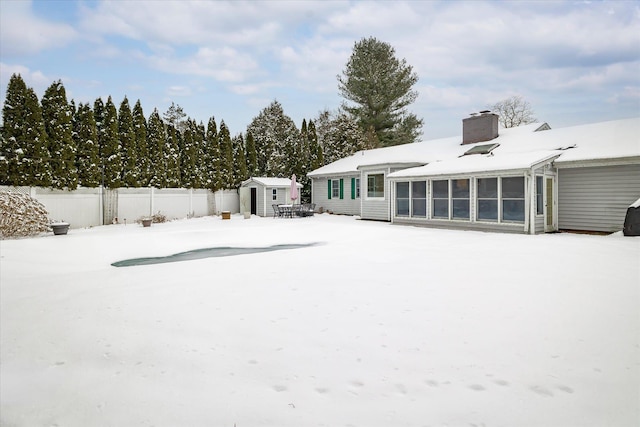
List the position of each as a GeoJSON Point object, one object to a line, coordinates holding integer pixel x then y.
{"type": "Point", "coordinates": [271, 182]}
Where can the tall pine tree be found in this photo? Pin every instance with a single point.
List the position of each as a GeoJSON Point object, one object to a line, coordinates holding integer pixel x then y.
{"type": "Point", "coordinates": [130, 171]}
{"type": "Point", "coordinates": [211, 156]}
{"type": "Point", "coordinates": [239, 161]}
{"type": "Point", "coordinates": [226, 156]}
{"type": "Point", "coordinates": [56, 113]}
{"type": "Point", "coordinates": [156, 142]}
{"type": "Point", "coordinates": [110, 148]}
{"type": "Point", "coordinates": [252, 155]}
{"type": "Point", "coordinates": [85, 135]}
{"type": "Point", "coordinates": [140, 137]}
{"type": "Point", "coordinates": [172, 156]}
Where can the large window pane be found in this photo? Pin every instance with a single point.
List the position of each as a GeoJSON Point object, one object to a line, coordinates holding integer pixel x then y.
{"type": "Point", "coordinates": [460, 188]}
{"type": "Point", "coordinates": [402, 189]}
{"type": "Point", "coordinates": [375, 185]}
{"type": "Point", "coordinates": [419, 207]}
{"type": "Point", "coordinates": [441, 189]}
{"type": "Point", "coordinates": [513, 210]}
{"type": "Point", "coordinates": [402, 199]}
{"type": "Point", "coordinates": [419, 198]}
{"type": "Point", "coordinates": [441, 208]}
{"type": "Point", "coordinates": [461, 208]}
{"type": "Point", "coordinates": [513, 188]}
{"type": "Point", "coordinates": [488, 188]}
{"type": "Point", "coordinates": [488, 210]}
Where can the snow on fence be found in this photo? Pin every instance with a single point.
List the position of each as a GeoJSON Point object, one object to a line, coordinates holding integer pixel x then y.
{"type": "Point", "coordinates": [87, 207]}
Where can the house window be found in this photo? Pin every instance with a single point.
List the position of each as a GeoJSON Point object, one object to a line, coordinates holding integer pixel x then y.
{"type": "Point", "coordinates": [402, 199]}
{"type": "Point", "coordinates": [335, 188]}
{"type": "Point", "coordinates": [375, 185]}
{"type": "Point", "coordinates": [513, 199]}
{"type": "Point", "coordinates": [487, 199]}
{"type": "Point", "coordinates": [274, 194]}
{"type": "Point", "coordinates": [539, 196]}
{"type": "Point", "coordinates": [460, 198]}
{"type": "Point", "coordinates": [355, 188]}
{"type": "Point", "coordinates": [419, 198]}
{"type": "Point", "coordinates": [440, 199]}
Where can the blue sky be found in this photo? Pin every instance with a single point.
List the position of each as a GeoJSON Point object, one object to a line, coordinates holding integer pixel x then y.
{"type": "Point", "coordinates": [576, 62]}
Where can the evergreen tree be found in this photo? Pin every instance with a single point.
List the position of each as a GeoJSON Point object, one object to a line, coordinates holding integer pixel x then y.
{"type": "Point", "coordinates": [240, 161]}
{"type": "Point", "coordinates": [156, 141]}
{"type": "Point", "coordinates": [211, 155]}
{"type": "Point", "coordinates": [275, 136]}
{"type": "Point", "coordinates": [189, 158]}
{"type": "Point", "coordinates": [341, 136]}
{"type": "Point", "coordinates": [172, 156]}
{"type": "Point", "coordinates": [140, 137]}
{"type": "Point", "coordinates": [13, 132]}
{"type": "Point", "coordinates": [175, 116]}
{"type": "Point", "coordinates": [379, 86]}
{"type": "Point", "coordinates": [85, 135]}
{"type": "Point", "coordinates": [226, 157]}
{"type": "Point", "coordinates": [110, 147]}
{"type": "Point", "coordinates": [130, 171]}
{"type": "Point", "coordinates": [36, 164]}
{"type": "Point", "coordinates": [251, 155]}
{"type": "Point", "coordinates": [316, 158]}
{"type": "Point", "coordinates": [57, 120]}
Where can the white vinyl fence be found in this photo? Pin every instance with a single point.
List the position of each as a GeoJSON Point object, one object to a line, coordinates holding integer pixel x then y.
{"type": "Point", "coordinates": [87, 207]}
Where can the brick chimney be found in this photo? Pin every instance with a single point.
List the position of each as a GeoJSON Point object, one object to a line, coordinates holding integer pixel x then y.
{"type": "Point", "coordinates": [482, 126]}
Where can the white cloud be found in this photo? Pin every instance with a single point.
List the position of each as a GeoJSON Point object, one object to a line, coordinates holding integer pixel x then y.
{"type": "Point", "coordinates": [22, 33]}
{"type": "Point", "coordinates": [178, 91]}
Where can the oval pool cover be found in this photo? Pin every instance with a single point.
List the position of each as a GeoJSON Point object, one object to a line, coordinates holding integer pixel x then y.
{"type": "Point", "coordinates": [206, 253]}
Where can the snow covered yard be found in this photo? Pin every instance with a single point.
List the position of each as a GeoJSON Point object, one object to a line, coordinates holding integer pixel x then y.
{"type": "Point", "coordinates": [376, 325]}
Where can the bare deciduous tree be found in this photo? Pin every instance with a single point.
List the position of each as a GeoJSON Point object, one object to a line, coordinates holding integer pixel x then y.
{"type": "Point", "coordinates": [513, 111]}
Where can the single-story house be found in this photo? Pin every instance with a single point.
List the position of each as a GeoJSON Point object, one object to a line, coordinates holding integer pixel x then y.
{"type": "Point", "coordinates": [529, 179]}
{"type": "Point", "coordinates": [258, 194]}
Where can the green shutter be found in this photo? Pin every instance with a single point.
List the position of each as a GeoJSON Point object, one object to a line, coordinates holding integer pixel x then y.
{"type": "Point", "coordinates": [353, 188]}
{"type": "Point", "coordinates": [341, 188]}
{"type": "Point", "coordinates": [329, 193]}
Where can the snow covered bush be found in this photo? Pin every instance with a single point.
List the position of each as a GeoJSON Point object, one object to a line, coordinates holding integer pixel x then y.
{"type": "Point", "coordinates": [21, 215]}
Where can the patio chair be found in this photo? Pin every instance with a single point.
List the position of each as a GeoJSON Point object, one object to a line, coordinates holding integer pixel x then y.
{"type": "Point", "coordinates": [276, 211]}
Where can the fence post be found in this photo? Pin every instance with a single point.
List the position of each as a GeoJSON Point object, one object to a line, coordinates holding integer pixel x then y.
{"type": "Point", "coordinates": [151, 196]}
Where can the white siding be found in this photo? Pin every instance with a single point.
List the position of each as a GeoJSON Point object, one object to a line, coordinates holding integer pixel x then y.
{"type": "Point", "coordinates": [596, 198]}
{"type": "Point", "coordinates": [344, 206]}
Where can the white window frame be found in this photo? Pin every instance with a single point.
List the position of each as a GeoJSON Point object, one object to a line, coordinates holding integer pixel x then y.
{"type": "Point", "coordinates": [274, 194]}
{"type": "Point", "coordinates": [357, 183]}
{"type": "Point", "coordinates": [384, 186]}
{"type": "Point", "coordinates": [335, 188]}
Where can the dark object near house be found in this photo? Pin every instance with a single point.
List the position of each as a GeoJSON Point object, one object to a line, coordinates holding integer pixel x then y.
{"type": "Point", "coordinates": [632, 220]}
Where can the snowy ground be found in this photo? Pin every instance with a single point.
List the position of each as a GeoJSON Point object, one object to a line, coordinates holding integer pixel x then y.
{"type": "Point", "coordinates": [377, 325]}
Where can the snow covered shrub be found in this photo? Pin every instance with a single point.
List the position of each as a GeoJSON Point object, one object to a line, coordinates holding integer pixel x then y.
{"type": "Point", "coordinates": [158, 218]}
{"type": "Point", "coordinates": [21, 215]}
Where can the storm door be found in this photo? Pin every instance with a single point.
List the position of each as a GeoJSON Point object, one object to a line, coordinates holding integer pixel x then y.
{"type": "Point", "coordinates": [549, 223]}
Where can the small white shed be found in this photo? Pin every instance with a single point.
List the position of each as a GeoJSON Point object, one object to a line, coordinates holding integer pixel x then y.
{"type": "Point", "coordinates": [258, 194]}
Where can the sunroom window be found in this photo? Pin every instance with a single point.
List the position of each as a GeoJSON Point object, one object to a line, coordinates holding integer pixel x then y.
{"type": "Point", "coordinates": [487, 199]}
{"type": "Point", "coordinates": [440, 199]}
{"type": "Point", "coordinates": [402, 199]}
{"type": "Point", "coordinates": [513, 199]}
{"type": "Point", "coordinates": [460, 198]}
{"type": "Point", "coordinates": [539, 193]}
{"type": "Point", "coordinates": [419, 199]}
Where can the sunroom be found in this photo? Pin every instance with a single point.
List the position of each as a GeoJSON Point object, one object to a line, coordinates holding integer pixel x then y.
{"type": "Point", "coordinates": [509, 193]}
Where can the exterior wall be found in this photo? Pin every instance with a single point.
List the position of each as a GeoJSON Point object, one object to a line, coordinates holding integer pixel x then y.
{"type": "Point", "coordinates": [375, 208]}
{"type": "Point", "coordinates": [344, 206]}
{"type": "Point", "coordinates": [264, 198]}
{"type": "Point", "coordinates": [596, 198]}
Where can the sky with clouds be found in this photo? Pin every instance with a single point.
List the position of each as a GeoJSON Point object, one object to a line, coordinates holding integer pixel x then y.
{"type": "Point", "coordinates": [575, 61]}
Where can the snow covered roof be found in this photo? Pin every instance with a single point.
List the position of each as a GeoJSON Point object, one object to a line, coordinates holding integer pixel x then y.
{"type": "Point", "coordinates": [606, 140]}
{"type": "Point", "coordinates": [271, 182]}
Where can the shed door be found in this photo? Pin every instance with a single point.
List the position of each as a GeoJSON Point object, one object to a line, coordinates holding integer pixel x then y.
{"type": "Point", "coordinates": [254, 201]}
{"type": "Point", "coordinates": [549, 225]}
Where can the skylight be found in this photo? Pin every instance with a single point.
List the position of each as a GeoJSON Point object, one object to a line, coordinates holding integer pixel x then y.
{"type": "Point", "coordinates": [481, 149]}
